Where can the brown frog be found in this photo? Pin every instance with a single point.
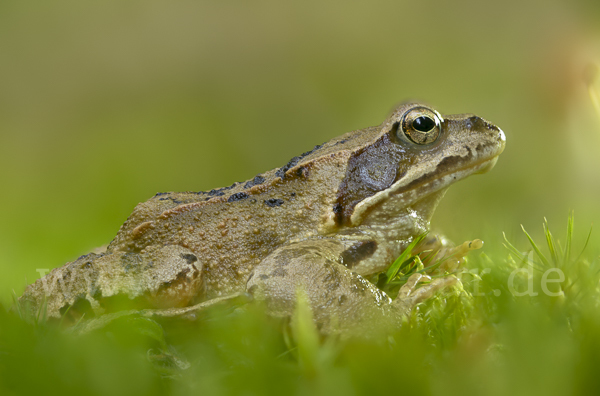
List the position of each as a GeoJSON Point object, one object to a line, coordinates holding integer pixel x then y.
{"type": "Point", "coordinates": [324, 223]}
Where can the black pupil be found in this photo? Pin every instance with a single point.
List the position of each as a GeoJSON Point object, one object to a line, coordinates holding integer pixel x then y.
{"type": "Point", "coordinates": [423, 124]}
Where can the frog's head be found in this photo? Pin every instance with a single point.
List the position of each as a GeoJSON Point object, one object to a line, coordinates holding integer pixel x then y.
{"type": "Point", "coordinates": [412, 157]}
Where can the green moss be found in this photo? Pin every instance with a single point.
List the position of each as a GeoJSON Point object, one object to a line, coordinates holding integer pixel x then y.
{"type": "Point", "coordinates": [502, 332]}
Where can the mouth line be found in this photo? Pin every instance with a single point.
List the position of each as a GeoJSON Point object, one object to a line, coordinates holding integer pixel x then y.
{"type": "Point", "coordinates": [426, 181]}
{"type": "Point", "coordinates": [485, 165]}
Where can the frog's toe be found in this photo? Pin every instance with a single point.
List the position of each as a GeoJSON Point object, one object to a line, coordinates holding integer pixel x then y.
{"type": "Point", "coordinates": [410, 294]}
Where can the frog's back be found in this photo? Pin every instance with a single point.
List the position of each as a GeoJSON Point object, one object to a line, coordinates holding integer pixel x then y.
{"type": "Point", "coordinates": [233, 228]}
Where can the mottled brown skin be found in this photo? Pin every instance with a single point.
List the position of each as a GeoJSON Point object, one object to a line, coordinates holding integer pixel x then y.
{"type": "Point", "coordinates": [323, 222]}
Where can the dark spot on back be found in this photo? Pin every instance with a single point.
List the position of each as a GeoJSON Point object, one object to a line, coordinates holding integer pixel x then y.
{"type": "Point", "coordinates": [358, 252]}
{"type": "Point", "coordinates": [281, 171]}
{"type": "Point", "coordinates": [216, 193]}
{"type": "Point", "coordinates": [237, 197]}
{"type": "Point", "coordinates": [273, 202]}
{"type": "Point", "coordinates": [254, 182]}
{"type": "Point", "coordinates": [294, 161]}
{"type": "Point", "coordinates": [170, 199]}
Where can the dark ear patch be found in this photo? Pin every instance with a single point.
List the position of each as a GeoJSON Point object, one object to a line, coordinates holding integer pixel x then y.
{"type": "Point", "coordinates": [358, 252]}
{"type": "Point", "coordinates": [371, 169]}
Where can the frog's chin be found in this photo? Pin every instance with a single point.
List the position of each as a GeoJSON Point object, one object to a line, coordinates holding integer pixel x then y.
{"type": "Point", "coordinates": [486, 166]}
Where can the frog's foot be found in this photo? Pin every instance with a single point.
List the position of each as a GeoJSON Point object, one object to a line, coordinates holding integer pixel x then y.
{"type": "Point", "coordinates": [411, 294]}
{"type": "Point", "coordinates": [436, 248]}
{"type": "Point", "coordinates": [453, 258]}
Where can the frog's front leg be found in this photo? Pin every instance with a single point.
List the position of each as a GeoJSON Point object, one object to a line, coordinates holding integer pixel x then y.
{"type": "Point", "coordinates": [341, 300]}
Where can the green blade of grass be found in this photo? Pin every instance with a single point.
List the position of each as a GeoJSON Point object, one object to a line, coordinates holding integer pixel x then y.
{"type": "Point", "coordinates": [536, 248]}
{"type": "Point", "coordinates": [512, 248]}
{"type": "Point", "coordinates": [42, 313]}
{"type": "Point", "coordinates": [520, 256]}
{"type": "Point", "coordinates": [17, 304]}
{"type": "Point", "coordinates": [551, 244]}
{"type": "Point", "coordinates": [570, 222]}
{"type": "Point", "coordinates": [585, 245]}
{"type": "Point", "coordinates": [406, 254]}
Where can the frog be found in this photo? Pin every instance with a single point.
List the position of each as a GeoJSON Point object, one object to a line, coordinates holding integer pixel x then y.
{"type": "Point", "coordinates": [321, 228]}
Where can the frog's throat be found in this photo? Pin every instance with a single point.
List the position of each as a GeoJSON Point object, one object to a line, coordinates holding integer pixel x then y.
{"type": "Point", "coordinates": [406, 191]}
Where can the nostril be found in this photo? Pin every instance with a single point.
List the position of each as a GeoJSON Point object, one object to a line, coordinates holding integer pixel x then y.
{"type": "Point", "coordinates": [493, 127]}
{"type": "Point", "coordinates": [489, 125]}
{"type": "Point", "coordinates": [501, 135]}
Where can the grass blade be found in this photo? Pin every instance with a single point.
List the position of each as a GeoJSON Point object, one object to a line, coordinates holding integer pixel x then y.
{"type": "Point", "coordinates": [551, 243]}
{"type": "Point", "coordinates": [570, 222]}
{"type": "Point", "coordinates": [400, 261]}
{"type": "Point", "coordinates": [585, 245]}
{"type": "Point", "coordinates": [17, 304]}
{"type": "Point", "coordinates": [536, 248]}
{"type": "Point", "coordinates": [520, 256]}
{"type": "Point", "coordinates": [512, 248]}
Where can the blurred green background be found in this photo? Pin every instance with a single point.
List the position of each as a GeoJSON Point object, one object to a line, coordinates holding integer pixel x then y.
{"type": "Point", "coordinates": [103, 104]}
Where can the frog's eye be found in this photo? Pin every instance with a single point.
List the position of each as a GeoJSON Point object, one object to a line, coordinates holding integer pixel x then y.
{"type": "Point", "coordinates": [421, 125]}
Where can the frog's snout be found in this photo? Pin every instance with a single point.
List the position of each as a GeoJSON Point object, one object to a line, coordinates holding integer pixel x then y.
{"type": "Point", "coordinates": [492, 132]}
{"type": "Point", "coordinates": [499, 133]}
{"type": "Point", "coordinates": [493, 135]}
